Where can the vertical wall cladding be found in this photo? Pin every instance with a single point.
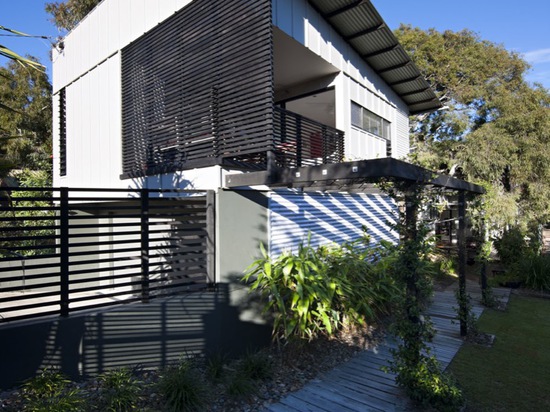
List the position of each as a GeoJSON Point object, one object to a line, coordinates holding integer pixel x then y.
{"type": "Point", "coordinates": [198, 88]}
{"type": "Point", "coordinates": [402, 146]}
{"type": "Point", "coordinates": [328, 218]}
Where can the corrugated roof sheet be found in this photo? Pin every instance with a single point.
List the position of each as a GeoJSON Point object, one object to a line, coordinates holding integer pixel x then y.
{"type": "Point", "coordinates": [360, 24]}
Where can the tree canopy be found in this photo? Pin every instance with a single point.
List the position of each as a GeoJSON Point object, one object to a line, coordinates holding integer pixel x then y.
{"type": "Point", "coordinates": [25, 122]}
{"type": "Point", "coordinates": [66, 15]}
{"type": "Point", "coordinates": [494, 128]}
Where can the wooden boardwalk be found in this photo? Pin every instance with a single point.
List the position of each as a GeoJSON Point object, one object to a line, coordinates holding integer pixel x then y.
{"type": "Point", "coordinates": [359, 385]}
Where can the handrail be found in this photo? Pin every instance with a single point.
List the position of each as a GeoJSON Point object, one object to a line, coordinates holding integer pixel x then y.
{"type": "Point", "coordinates": [300, 141]}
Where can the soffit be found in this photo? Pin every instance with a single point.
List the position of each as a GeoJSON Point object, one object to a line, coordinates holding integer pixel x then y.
{"type": "Point", "coordinates": [360, 24]}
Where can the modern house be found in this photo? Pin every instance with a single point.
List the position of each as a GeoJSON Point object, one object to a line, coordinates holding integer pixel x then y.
{"type": "Point", "coordinates": [268, 119]}
{"type": "Point", "coordinates": [185, 94]}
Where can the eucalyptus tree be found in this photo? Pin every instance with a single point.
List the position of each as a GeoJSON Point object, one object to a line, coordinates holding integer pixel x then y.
{"type": "Point", "coordinates": [494, 128]}
{"type": "Point", "coordinates": [25, 122]}
{"type": "Point", "coordinates": [66, 15]}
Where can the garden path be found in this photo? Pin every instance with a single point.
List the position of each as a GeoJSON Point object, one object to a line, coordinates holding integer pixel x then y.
{"type": "Point", "coordinates": [359, 385]}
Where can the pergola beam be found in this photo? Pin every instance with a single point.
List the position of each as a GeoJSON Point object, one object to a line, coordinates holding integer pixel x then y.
{"type": "Point", "coordinates": [357, 172]}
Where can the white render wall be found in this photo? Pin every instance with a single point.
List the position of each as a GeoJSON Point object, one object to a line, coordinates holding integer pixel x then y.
{"type": "Point", "coordinates": [357, 82]}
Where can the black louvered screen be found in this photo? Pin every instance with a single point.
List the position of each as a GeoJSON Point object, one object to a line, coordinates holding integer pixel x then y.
{"type": "Point", "coordinates": [198, 88]}
{"type": "Point", "coordinates": [62, 133]}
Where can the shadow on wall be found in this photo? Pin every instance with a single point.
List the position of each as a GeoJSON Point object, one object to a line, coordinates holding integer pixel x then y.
{"type": "Point", "coordinates": [146, 335]}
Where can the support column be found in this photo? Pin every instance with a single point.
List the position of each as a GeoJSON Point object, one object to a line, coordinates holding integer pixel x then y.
{"type": "Point", "coordinates": [413, 338]}
{"type": "Point", "coordinates": [64, 250]}
{"type": "Point", "coordinates": [144, 245]}
{"type": "Point", "coordinates": [462, 300]}
{"type": "Point", "coordinates": [484, 294]}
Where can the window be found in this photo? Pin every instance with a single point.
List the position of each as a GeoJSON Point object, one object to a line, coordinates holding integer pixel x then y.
{"type": "Point", "coordinates": [369, 122]}
{"type": "Point", "coordinates": [62, 134]}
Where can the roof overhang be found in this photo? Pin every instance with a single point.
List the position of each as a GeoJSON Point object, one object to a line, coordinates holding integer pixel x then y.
{"type": "Point", "coordinates": [350, 176]}
{"type": "Point", "coordinates": [360, 24]}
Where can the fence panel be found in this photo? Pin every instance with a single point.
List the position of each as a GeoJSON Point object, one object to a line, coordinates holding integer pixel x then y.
{"type": "Point", "coordinates": [63, 250]}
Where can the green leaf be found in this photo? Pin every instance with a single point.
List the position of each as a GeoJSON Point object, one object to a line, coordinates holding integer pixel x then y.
{"type": "Point", "coordinates": [4, 51]}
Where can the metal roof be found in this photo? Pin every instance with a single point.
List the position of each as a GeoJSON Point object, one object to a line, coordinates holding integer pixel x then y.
{"type": "Point", "coordinates": [350, 175]}
{"type": "Point", "coordinates": [360, 24]}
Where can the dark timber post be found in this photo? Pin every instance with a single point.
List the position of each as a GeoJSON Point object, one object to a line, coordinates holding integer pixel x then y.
{"type": "Point", "coordinates": [414, 338]}
{"type": "Point", "coordinates": [463, 309]}
{"type": "Point", "coordinates": [299, 141]}
{"type": "Point", "coordinates": [64, 250]}
{"type": "Point", "coordinates": [211, 237]}
{"type": "Point", "coordinates": [325, 144]}
{"type": "Point", "coordinates": [144, 245]}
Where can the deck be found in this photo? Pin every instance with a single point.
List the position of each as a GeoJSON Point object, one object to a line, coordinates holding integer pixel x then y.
{"type": "Point", "coordinates": [359, 385]}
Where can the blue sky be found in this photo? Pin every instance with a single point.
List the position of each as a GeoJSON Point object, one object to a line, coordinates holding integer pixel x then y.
{"type": "Point", "coordinates": [520, 26]}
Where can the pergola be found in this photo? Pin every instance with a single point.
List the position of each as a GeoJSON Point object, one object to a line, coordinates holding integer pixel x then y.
{"type": "Point", "coordinates": [361, 176]}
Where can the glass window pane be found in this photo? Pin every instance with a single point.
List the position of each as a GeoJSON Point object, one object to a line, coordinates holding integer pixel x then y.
{"type": "Point", "coordinates": [356, 115]}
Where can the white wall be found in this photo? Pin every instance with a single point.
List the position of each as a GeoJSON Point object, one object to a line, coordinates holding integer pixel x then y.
{"type": "Point", "coordinates": [357, 82]}
{"type": "Point", "coordinates": [327, 218]}
{"type": "Point", "coordinates": [89, 67]}
{"type": "Point", "coordinates": [93, 113]}
{"type": "Point", "coordinates": [112, 25]}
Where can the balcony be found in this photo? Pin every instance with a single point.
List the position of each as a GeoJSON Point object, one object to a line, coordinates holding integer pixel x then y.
{"type": "Point", "coordinates": [299, 141]}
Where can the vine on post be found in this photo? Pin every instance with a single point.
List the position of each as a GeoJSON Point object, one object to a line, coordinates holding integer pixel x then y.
{"type": "Point", "coordinates": [418, 371]}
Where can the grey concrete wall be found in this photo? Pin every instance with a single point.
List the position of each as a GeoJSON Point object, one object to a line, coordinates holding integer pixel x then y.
{"type": "Point", "coordinates": [241, 225]}
{"type": "Point", "coordinates": [147, 335]}
{"type": "Point", "coordinates": [227, 319]}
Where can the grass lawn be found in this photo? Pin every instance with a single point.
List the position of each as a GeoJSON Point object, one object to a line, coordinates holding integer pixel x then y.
{"type": "Point", "coordinates": [513, 375]}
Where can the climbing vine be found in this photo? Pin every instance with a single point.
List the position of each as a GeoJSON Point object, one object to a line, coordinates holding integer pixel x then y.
{"type": "Point", "coordinates": [417, 370]}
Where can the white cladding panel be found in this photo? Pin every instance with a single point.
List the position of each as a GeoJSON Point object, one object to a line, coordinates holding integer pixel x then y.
{"type": "Point", "coordinates": [327, 218]}
{"type": "Point", "coordinates": [402, 144]}
{"type": "Point", "coordinates": [93, 128]}
{"type": "Point", "coordinates": [363, 145]}
{"type": "Point", "coordinates": [112, 25]}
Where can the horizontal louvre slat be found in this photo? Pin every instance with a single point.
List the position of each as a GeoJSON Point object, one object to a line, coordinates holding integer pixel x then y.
{"type": "Point", "coordinates": [191, 84]}
{"type": "Point", "coordinates": [100, 245]}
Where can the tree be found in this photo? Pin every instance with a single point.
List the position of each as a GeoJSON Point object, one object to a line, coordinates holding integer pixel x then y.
{"type": "Point", "coordinates": [66, 15]}
{"type": "Point", "coordinates": [25, 128]}
{"type": "Point", "coordinates": [495, 127]}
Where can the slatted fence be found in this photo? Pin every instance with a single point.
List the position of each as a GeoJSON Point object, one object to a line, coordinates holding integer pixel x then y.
{"type": "Point", "coordinates": [63, 250]}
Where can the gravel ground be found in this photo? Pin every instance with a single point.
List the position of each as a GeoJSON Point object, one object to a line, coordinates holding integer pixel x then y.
{"type": "Point", "coordinates": [292, 367]}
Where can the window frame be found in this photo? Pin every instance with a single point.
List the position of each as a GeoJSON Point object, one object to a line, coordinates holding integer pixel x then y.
{"type": "Point", "coordinates": [377, 125]}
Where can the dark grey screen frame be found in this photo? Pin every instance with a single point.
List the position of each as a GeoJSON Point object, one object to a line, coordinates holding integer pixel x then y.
{"type": "Point", "coordinates": [62, 132]}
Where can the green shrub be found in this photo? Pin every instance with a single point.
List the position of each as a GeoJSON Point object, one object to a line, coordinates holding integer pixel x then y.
{"type": "Point", "coordinates": [183, 388]}
{"type": "Point", "coordinates": [257, 366]}
{"type": "Point", "coordinates": [51, 391]}
{"type": "Point", "coordinates": [428, 386]}
{"type": "Point", "coordinates": [365, 288]}
{"type": "Point", "coordinates": [119, 391]}
{"type": "Point", "coordinates": [215, 366]}
{"type": "Point", "coordinates": [297, 291]}
{"type": "Point", "coordinates": [240, 385]}
{"type": "Point", "coordinates": [316, 291]}
{"type": "Point", "coordinates": [534, 272]}
{"type": "Point", "coordinates": [511, 246]}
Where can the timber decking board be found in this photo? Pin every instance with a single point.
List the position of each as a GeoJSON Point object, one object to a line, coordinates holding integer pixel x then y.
{"type": "Point", "coordinates": [360, 384]}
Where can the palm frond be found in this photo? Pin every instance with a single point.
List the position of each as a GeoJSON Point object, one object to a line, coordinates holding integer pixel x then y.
{"type": "Point", "coordinates": [4, 51]}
